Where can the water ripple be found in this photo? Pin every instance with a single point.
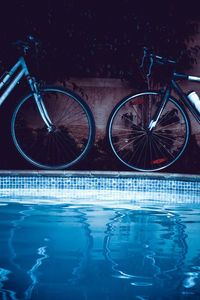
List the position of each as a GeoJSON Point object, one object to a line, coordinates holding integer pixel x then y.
{"type": "Point", "coordinates": [190, 281]}
{"type": "Point", "coordinates": [4, 277]}
{"type": "Point", "coordinates": [31, 272]}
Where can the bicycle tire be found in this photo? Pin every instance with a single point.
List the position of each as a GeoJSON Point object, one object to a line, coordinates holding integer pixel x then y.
{"type": "Point", "coordinates": [140, 149]}
{"type": "Point", "coordinates": [68, 143]}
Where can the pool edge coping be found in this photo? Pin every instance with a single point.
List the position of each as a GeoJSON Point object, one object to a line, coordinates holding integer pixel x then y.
{"type": "Point", "coordinates": [114, 174]}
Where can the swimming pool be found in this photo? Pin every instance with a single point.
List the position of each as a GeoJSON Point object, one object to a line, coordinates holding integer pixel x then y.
{"type": "Point", "coordinates": [99, 236]}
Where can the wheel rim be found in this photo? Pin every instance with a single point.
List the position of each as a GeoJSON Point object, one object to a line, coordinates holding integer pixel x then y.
{"type": "Point", "coordinates": [66, 144]}
{"type": "Point", "coordinates": [140, 149]}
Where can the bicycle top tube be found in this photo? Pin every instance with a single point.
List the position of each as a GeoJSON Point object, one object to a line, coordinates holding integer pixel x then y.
{"type": "Point", "coordinates": [187, 77]}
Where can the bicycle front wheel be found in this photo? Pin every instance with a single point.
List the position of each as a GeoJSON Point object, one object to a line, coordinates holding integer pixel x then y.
{"type": "Point", "coordinates": [67, 143]}
{"type": "Point", "coordinates": [136, 146]}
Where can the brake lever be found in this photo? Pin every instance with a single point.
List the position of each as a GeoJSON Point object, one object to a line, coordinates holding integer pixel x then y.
{"type": "Point", "coordinates": [151, 61]}
{"type": "Point", "coordinates": [143, 58]}
{"type": "Point", "coordinates": [150, 66]}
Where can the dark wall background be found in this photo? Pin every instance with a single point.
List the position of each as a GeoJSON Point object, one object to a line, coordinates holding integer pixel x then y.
{"type": "Point", "coordinates": [99, 38]}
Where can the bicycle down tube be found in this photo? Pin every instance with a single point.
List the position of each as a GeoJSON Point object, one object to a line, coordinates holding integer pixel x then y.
{"type": "Point", "coordinates": [182, 95]}
{"type": "Point", "coordinates": [173, 85]}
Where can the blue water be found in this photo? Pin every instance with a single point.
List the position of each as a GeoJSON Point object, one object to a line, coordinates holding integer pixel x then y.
{"type": "Point", "coordinates": [92, 252]}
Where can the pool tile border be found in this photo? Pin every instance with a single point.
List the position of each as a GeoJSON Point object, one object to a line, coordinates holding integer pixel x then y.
{"type": "Point", "coordinates": [99, 180]}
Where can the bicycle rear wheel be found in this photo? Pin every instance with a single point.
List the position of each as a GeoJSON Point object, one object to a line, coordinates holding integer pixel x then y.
{"type": "Point", "coordinates": [64, 146]}
{"type": "Point", "coordinates": [140, 149]}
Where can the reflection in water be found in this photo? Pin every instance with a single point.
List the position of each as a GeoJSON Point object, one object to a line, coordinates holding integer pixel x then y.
{"type": "Point", "coordinates": [88, 252]}
{"type": "Point", "coordinates": [150, 255]}
{"type": "Point", "coordinates": [80, 270]}
{"type": "Point", "coordinates": [149, 258]}
{"type": "Point", "coordinates": [107, 252]}
{"type": "Point", "coordinates": [32, 272]}
{"type": "Point", "coordinates": [16, 226]}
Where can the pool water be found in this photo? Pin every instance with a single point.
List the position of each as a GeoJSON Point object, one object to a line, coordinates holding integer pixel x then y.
{"type": "Point", "coordinates": [87, 252]}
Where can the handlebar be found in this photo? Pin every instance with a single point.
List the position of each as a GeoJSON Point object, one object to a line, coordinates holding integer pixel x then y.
{"type": "Point", "coordinates": [30, 42]}
{"type": "Point", "coordinates": [154, 59]}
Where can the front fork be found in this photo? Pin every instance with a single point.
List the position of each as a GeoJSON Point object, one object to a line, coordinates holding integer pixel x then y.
{"type": "Point", "coordinates": [40, 104]}
{"type": "Point", "coordinates": [159, 111]}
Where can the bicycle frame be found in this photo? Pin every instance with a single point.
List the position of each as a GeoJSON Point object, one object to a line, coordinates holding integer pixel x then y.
{"type": "Point", "coordinates": [18, 71]}
{"type": "Point", "coordinates": [24, 71]}
{"type": "Point", "coordinates": [174, 86]}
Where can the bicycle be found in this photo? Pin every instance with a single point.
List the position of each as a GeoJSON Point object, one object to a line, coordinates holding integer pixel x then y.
{"type": "Point", "coordinates": [149, 131]}
{"type": "Point", "coordinates": [52, 127]}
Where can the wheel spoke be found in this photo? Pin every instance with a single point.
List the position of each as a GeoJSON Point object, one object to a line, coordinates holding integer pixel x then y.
{"type": "Point", "coordinates": [159, 143]}
{"type": "Point", "coordinates": [135, 151]}
{"type": "Point", "coordinates": [131, 141]}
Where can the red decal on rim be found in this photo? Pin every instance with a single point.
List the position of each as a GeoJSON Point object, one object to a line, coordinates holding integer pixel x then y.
{"type": "Point", "coordinates": [158, 161]}
{"type": "Point", "coordinates": [140, 101]}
